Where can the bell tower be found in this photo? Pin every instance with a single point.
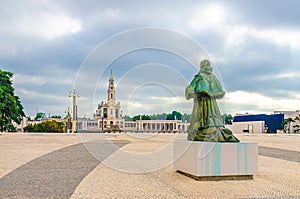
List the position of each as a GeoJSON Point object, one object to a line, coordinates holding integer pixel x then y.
{"type": "Point", "coordinates": [111, 90]}
{"type": "Point", "coordinates": [108, 114]}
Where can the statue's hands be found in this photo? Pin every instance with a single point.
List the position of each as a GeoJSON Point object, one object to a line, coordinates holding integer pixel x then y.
{"type": "Point", "coordinates": [189, 93]}
{"type": "Point", "coordinates": [203, 94]}
{"type": "Point", "coordinates": [219, 95]}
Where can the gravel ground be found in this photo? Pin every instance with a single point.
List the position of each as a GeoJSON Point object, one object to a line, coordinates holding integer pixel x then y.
{"type": "Point", "coordinates": [279, 153]}
{"type": "Point", "coordinates": [17, 149]}
{"type": "Point", "coordinates": [277, 176]}
{"type": "Point", "coordinates": [59, 166]}
{"type": "Point", "coordinates": [54, 175]}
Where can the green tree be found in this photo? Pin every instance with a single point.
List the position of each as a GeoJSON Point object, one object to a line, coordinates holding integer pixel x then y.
{"type": "Point", "coordinates": [39, 116]}
{"type": "Point", "coordinates": [173, 115]}
{"type": "Point", "coordinates": [135, 118]}
{"type": "Point", "coordinates": [56, 116]}
{"type": "Point", "coordinates": [11, 108]}
{"type": "Point", "coordinates": [297, 126]}
{"type": "Point", "coordinates": [227, 118]}
{"type": "Point", "coordinates": [144, 117]}
{"type": "Point", "coordinates": [286, 125]}
{"type": "Point", "coordinates": [46, 126]}
{"type": "Point", "coordinates": [162, 116]}
{"type": "Point", "coordinates": [186, 117]}
{"type": "Point", "coordinates": [127, 118]}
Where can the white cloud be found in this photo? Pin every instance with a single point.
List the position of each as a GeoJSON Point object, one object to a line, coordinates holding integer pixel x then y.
{"type": "Point", "coordinates": [29, 94]}
{"type": "Point", "coordinates": [54, 103]}
{"type": "Point", "coordinates": [215, 16]}
{"type": "Point", "coordinates": [244, 98]}
{"type": "Point", "coordinates": [110, 12]}
{"type": "Point", "coordinates": [169, 100]}
{"type": "Point", "coordinates": [153, 105]}
{"type": "Point", "coordinates": [49, 25]}
{"type": "Point", "coordinates": [7, 50]}
{"type": "Point", "coordinates": [37, 19]}
{"type": "Point", "coordinates": [135, 105]}
{"type": "Point", "coordinates": [240, 101]}
{"type": "Point", "coordinates": [38, 80]}
{"type": "Point", "coordinates": [282, 37]}
{"type": "Point", "coordinates": [208, 16]}
{"type": "Point", "coordinates": [238, 34]}
{"type": "Point", "coordinates": [281, 76]}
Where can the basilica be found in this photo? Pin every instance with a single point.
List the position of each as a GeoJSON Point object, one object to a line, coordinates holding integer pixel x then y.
{"type": "Point", "coordinates": [108, 114]}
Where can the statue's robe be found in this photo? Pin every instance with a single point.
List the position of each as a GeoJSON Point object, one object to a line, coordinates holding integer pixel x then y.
{"type": "Point", "coordinates": [206, 122]}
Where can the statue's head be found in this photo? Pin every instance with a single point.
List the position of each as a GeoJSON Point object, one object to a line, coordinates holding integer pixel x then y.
{"type": "Point", "coordinates": [205, 66]}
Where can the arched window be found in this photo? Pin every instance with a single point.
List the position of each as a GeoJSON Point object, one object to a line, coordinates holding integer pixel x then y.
{"type": "Point", "coordinates": [105, 113]}
{"type": "Point", "coordinates": [111, 96]}
{"type": "Point", "coordinates": [117, 113]}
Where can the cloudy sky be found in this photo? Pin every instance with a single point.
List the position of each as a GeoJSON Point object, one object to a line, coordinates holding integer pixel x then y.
{"type": "Point", "coordinates": [154, 49]}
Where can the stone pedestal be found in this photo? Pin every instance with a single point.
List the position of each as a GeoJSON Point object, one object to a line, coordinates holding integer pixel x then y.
{"type": "Point", "coordinates": [216, 159]}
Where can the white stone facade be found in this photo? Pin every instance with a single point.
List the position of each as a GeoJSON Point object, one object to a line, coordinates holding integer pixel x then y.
{"type": "Point", "coordinates": [164, 126]}
{"type": "Point", "coordinates": [108, 113]}
{"type": "Point", "coordinates": [252, 127]}
{"type": "Point", "coordinates": [215, 158]}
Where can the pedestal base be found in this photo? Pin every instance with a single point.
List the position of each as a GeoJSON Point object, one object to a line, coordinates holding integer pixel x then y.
{"type": "Point", "coordinates": [217, 178]}
{"type": "Point", "coordinates": [215, 159]}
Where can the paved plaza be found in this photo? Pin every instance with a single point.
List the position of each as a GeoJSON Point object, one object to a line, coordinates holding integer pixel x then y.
{"type": "Point", "coordinates": [134, 166]}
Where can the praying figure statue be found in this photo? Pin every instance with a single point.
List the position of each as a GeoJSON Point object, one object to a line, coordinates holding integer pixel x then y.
{"type": "Point", "coordinates": [206, 121]}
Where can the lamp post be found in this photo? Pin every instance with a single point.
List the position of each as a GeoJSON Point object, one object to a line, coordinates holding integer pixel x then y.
{"type": "Point", "coordinates": [68, 112]}
{"type": "Point", "coordinates": [74, 94]}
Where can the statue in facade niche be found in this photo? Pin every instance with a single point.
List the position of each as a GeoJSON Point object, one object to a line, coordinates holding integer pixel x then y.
{"type": "Point", "coordinates": [206, 122]}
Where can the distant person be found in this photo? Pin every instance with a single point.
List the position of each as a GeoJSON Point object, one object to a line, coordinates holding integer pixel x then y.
{"type": "Point", "coordinates": [206, 122]}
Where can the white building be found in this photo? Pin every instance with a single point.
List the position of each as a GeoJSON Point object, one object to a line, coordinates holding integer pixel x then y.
{"type": "Point", "coordinates": [160, 126]}
{"type": "Point", "coordinates": [108, 114]}
{"type": "Point", "coordinates": [87, 125]}
{"type": "Point", "coordinates": [252, 127]}
{"type": "Point", "coordinates": [263, 123]}
{"type": "Point", "coordinates": [294, 127]}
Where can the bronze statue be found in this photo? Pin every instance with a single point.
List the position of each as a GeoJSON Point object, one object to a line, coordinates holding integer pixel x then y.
{"type": "Point", "coordinates": [206, 122]}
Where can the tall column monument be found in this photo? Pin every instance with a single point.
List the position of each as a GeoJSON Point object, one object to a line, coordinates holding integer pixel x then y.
{"type": "Point", "coordinates": [74, 94]}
